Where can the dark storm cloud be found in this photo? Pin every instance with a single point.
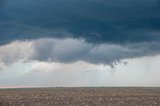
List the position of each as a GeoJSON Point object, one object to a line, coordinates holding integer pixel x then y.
{"type": "Point", "coordinates": [97, 21]}
{"type": "Point", "coordinates": [2, 3]}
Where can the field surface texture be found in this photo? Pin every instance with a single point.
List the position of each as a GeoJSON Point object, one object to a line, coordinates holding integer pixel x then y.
{"type": "Point", "coordinates": [80, 97]}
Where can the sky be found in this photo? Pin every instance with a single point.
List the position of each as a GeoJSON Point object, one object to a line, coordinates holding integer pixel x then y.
{"type": "Point", "coordinates": [75, 43]}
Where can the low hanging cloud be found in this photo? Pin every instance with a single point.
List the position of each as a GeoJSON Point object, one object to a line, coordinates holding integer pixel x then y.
{"type": "Point", "coordinates": [66, 50]}
{"type": "Point", "coordinates": [70, 50]}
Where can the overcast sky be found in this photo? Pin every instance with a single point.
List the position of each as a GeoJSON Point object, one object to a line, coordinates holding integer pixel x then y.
{"type": "Point", "coordinates": [79, 43]}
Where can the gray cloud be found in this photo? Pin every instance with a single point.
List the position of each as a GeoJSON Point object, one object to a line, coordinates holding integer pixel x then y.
{"type": "Point", "coordinates": [70, 50]}
{"type": "Point", "coordinates": [67, 50]}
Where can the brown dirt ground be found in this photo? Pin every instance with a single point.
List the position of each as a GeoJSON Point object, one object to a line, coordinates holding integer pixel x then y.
{"type": "Point", "coordinates": [80, 97]}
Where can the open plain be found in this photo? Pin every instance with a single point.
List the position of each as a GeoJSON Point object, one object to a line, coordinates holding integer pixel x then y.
{"type": "Point", "coordinates": [80, 97]}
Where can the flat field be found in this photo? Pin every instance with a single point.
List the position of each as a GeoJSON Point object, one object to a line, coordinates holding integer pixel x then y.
{"type": "Point", "coordinates": [80, 97]}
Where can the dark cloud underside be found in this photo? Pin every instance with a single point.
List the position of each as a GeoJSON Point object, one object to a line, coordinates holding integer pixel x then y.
{"type": "Point", "coordinates": [97, 21]}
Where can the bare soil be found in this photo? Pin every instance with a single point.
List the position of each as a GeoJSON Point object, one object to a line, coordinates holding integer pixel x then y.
{"type": "Point", "coordinates": [80, 97]}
